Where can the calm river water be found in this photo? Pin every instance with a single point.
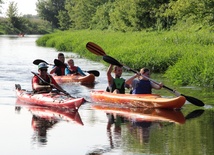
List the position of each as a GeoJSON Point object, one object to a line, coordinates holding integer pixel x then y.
{"type": "Point", "coordinates": [90, 131]}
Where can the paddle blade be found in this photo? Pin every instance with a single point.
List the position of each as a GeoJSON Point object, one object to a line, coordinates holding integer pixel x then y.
{"type": "Point", "coordinates": [94, 48]}
{"type": "Point", "coordinates": [112, 61]}
{"type": "Point", "coordinates": [94, 72]}
{"type": "Point", "coordinates": [194, 101]}
{"type": "Point", "coordinates": [38, 61]}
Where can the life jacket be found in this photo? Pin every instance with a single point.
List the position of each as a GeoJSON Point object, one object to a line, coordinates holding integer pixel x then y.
{"type": "Point", "coordinates": [48, 80]}
{"type": "Point", "coordinates": [60, 70]}
{"type": "Point", "coordinates": [119, 84]}
{"type": "Point", "coordinates": [143, 87]}
{"type": "Point", "coordinates": [73, 70]}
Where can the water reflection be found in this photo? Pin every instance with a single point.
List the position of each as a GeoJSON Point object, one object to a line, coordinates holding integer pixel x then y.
{"type": "Point", "coordinates": [45, 118]}
{"type": "Point", "coordinates": [133, 125]}
{"type": "Point", "coordinates": [41, 126]}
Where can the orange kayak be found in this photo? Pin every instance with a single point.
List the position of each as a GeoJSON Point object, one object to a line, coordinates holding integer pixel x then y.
{"type": "Point", "coordinates": [144, 114]}
{"type": "Point", "coordinates": [138, 100]}
{"type": "Point", "coordinates": [85, 80]}
{"type": "Point", "coordinates": [57, 100]}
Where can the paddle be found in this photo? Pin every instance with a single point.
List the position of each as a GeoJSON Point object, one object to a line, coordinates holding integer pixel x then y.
{"type": "Point", "coordinates": [94, 48]}
{"type": "Point", "coordinates": [59, 63]}
{"type": "Point", "coordinates": [94, 72]}
{"type": "Point", "coordinates": [38, 61]}
{"type": "Point", "coordinates": [52, 85]}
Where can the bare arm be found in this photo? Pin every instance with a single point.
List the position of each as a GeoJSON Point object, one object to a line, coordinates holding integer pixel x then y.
{"type": "Point", "coordinates": [109, 76]}
{"type": "Point", "coordinates": [129, 81]}
{"type": "Point", "coordinates": [53, 70]}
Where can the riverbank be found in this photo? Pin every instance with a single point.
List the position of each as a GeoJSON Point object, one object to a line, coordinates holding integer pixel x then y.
{"type": "Point", "coordinates": [185, 58]}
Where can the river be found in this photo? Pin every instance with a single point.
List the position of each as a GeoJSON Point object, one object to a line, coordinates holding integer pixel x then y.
{"type": "Point", "coordinates": [90, 131]}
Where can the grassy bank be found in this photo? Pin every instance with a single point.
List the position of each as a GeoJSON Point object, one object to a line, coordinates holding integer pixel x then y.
{"type": "Point", "coordinates": [184, 57]}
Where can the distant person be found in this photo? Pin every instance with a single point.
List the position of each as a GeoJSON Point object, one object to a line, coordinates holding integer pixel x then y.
{"type": "Point", "coordinates": [116, 84]}
{"type": "Point", "coordinates": [71, 69]}
{"type": "Point", "coordinates": [142, 85]}
{"type": "Point", "coordinates": [38, 85]}
{"type": "Point", "coordinates": [59, 69]}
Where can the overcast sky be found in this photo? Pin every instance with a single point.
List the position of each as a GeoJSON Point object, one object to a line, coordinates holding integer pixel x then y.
{"type": "Point", "coordinates": [24, 6]}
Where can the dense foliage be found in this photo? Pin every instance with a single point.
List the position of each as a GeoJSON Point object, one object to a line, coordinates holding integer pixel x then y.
{"type": "Point", "coordinates": [121, 15]}
{"type": "Point", "coordinates": [183, 57]}
{"type": "Point", "coordinates": [134, 15]}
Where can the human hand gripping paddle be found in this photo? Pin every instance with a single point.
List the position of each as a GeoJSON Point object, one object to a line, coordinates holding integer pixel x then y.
{"type": "Point", "coordinates": [94, 48]}
{"type": "Point", "coordinates": [52, 85]}
{"type": "Point", "coordinates": [59, 63]}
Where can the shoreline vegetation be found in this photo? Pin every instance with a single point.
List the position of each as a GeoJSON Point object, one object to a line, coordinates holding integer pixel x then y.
{"type": "Point", "coordinates": [183, 57]}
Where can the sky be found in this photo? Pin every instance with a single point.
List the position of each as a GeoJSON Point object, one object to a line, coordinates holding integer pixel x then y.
{"type": "Point", "coordinates": [24, 6]}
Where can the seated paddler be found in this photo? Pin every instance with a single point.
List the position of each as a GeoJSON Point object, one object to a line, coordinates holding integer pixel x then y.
{"type": "Point", "coordinates": [43, 82]}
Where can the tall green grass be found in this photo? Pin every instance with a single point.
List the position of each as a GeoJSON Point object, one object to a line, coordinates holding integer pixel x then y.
{"type": "Point", "coordinates": [183, 57]}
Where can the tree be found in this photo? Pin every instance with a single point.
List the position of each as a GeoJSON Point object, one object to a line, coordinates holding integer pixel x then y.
{"type": "Point", "coordinates": [49, 10]}
{"type": "Point", "coordinates": [64, 20]}
{"type": "Point", "coordinates": [13, 17]}
{"type": "Point", "coordinates": [197, 11]}
{"type": "Point", "coordinates": [102, 12]}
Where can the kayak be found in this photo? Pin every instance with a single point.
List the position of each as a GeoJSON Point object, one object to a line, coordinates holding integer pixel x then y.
{"type": "Point", "coordinates": [144, 114]}
{"type": "Point", "coordinates": [85, 80]}
{"type": "Point", "coordinates": [138, 100]}
{"type": "Point", "coordinates": [55, 99]}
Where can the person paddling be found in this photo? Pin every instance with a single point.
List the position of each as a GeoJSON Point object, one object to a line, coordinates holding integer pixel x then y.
{"type": "Point", "coordinates": [71, 69]}
{"type": "Point", "coordinates": [40, 86]}
{"type": "Point", "coordinates": [142, 85]}
{"type": "Point", "coordinates": [59, 69]}
{"type": "Point", "coordinates": [116, 84]}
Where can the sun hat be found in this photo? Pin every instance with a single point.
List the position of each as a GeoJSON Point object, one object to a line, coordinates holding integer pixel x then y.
{"type": "Point", "coordinates": [42, 65]}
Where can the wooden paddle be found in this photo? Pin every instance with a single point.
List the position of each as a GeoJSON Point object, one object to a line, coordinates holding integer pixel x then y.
{"type": "Point", "coordinates": [59, 63]}
{"type": "Point", "coordinates": [92, 47]}
{"type": "Point", "coordinates": [52, 85]}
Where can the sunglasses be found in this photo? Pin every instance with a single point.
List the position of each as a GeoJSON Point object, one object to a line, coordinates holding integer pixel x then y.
{"type": "Point", "coordinates": [44, 70]}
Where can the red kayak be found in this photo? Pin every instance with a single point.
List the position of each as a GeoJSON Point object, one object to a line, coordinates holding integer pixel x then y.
{"type": "Point", "coordinates": [58, 100]}
{"type": "Point", "coordinates": [84, 80]}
